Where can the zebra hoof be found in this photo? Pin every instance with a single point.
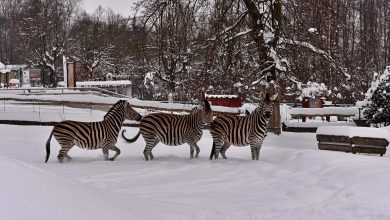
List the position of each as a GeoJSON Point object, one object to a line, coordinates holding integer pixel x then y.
{"type": "Point", "coordinates": [60, 159]}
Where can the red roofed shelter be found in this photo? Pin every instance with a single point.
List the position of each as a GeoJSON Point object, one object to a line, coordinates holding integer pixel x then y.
{"type": "Point", "coordinates": [225, 100]}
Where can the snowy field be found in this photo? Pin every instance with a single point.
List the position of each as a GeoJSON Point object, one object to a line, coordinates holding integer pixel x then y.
{"type": "Point", "coordinates": [292, 179]}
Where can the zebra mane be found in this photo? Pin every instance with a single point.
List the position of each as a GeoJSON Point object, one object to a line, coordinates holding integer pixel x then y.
{"type": "Point", "coordinates": [115, 106]}
{"type": "Point", "coordinates": [205, 105]}
{"type": "Point", "coordinates": [195, 109]}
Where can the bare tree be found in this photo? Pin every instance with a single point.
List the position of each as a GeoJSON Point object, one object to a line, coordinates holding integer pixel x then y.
{"type": "Point", "coordinates": [10, 13]}
{"type": "Point", "coordinates": [46, 26]}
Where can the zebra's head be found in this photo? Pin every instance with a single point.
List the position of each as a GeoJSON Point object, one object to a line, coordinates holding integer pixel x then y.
{"type": "Point", "coordinates": [268, 105]}
{"type": "Point", "coordinates": [131, 114]}
{"type": "Point", "coordinates": [207, 113]}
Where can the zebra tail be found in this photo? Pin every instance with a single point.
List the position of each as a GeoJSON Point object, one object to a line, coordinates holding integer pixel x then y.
{"type": "Point", "coordinates": [132, 140]}
{"type": "Point", "coordinates": [212, 151]}
{"type": "Point", "coordinates": [48, 147]}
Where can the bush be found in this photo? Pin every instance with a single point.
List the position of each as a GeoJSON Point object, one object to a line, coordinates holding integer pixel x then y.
{"type": "Point", "coordinates": [377, 108]}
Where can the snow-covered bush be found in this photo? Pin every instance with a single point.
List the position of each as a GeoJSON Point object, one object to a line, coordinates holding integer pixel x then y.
{"type": "Point", "coordinates": [312, 90]}
{"type": "Point", "coordinates": [377, 102]}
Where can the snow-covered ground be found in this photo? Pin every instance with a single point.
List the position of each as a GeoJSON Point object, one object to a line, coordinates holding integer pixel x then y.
{"type": "Point", "coordinates": [292, 180]}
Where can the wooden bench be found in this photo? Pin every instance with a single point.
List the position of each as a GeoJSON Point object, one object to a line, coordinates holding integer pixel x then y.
{"type": "Point", "coordinates": [326, 112]}
{"type": "Point", "coordinates": [352, 144]}
{"type": "Point", "coordinates": [326, 116]}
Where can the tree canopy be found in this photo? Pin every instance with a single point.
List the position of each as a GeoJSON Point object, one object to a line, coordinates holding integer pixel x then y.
{"type": "Point", "coordinates": [221, 46]}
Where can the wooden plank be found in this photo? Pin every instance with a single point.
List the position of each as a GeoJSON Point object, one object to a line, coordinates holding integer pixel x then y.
{"type": "Point", "coordinates": [370, 141]}
{"type": "Point", "coordinates": [322, 115]}
{"type": "Point", "coordinates": [369, 150]}
{"type": "Point", "coordinates": [335, 147]}
{"type": "Point", "coordinates": [333, 138]}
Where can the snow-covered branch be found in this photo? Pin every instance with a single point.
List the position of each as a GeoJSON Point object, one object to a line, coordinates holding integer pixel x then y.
{"type": "Point", "coordinates": [318, 51]}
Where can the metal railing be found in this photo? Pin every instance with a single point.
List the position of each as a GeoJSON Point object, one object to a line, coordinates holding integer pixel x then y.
{"type": "Point", "coordinates": [62, 90]}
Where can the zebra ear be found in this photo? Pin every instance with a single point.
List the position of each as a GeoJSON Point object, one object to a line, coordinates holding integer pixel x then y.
{"type": "Point", "coordinates": [274, 97]}
{"type": "Point", "coordinates": [267, 97]}
{"type": "Point", "coordinates": [203, 97]}
{"type": "Point", "coordinates": [207, 105]}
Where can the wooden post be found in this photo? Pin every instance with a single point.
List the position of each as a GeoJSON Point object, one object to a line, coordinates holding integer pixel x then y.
{"type": "Point", "coordinates": [274, 123]}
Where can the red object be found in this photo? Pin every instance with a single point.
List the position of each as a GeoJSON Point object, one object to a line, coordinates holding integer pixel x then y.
{"type": "Point", "coordinates": [305, 102]}
{"type": "Point", "coordinates": [227, 101]}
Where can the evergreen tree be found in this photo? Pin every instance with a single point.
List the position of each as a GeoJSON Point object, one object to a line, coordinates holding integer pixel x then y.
{"type": "Point", "coordinates": [377, 108]}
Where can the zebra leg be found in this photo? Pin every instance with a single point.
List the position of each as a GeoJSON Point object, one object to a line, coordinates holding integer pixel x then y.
{"type": "Point", "coordinates": [253, 151]}
{"type": "Point", "coordinates": [194, 147]}
{"type": "Point", "coordinates": [192, 151]}
{"type": "Point", "coordinates": [68, 157]}
{"type": "Point", "coordinates": [105, 153]}
{"type": "Point", "coordinates": [150, 144]}
{"type": "Point", "coordinates": [197, 149]}
{"type": "Point", "coordinates": [117, 152]}
{"type": "Point", "coordinates": [225, 146]}
{"type": "Point", "coordinates": [64, 153]}
{"type": "Point", "coordinates": [218, 146]}
{"type": "Point", "coordinates": [258, 149]}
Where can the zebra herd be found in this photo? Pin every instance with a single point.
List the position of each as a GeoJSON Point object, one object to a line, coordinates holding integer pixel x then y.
{"type": "Point", "coordinates": [169, 129]}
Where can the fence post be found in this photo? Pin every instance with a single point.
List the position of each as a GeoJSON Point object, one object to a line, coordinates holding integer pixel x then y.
{"type": "Point", "coordinates": [39, 111]}
{"type": "Point", "coordinates": [4, 104]}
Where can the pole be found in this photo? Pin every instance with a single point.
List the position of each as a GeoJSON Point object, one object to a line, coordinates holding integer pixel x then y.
{"type": "Point", "coordinates": [65, 71]}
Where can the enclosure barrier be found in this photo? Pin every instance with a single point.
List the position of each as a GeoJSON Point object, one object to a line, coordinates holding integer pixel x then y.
{"type": "Point", "coordinates": [352, 143]}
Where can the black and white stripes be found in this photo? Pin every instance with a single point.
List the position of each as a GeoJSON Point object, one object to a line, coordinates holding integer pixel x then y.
{"type": "Point", "coordinates": [174, 130]}
{"type": "Point", "coordinates": [93, 135]}
{"type": "Point", "coordinates": [241, 130]}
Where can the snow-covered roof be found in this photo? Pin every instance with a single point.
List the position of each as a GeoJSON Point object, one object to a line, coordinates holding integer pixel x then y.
{"type": "Point", "coordinates": [347, 111]}
{"type": "Point", "coordinates": [100, 83]}
{"type": "Point", "coordinates": [9, 68]}
{"type": "Point", "coordinates": [221, 96]}
{"type": "Point", "coordinates": [13, 81]}
{"type": "Point", "coordinates": [5, 70]}
{"type": "Point", "coordinates": [354, 132]}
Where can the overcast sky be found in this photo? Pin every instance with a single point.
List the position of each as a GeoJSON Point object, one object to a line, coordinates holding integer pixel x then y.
{"type": "Point", "coordinates": [123, 7]}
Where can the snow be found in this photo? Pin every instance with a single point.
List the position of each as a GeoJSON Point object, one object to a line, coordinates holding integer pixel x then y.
{"type": "Point", "coordinates": [354, 132]}
{"type": "Point", "coordinates": [318, 122]}
{"type": "Point", "coordinates": [377, 79]}
{"type": "Point", "coordinates": [100, 83]}
{"type": "Point", "coordinates": [13, 81]}
{"type": "Point", "coordinates": [312, 30]}
{"type": "Point", "coordinates": [62, 96]}
{"type": "Point", "coordinates": [292, 180]}
{"type": "Point", "coordinates": [222, 96]}
{"type": "Point", "coordinates": [33, 193]}
{"type": "Point", "coordinates": [5, 70]}
{"type": "Point", "coordinates": [346, 111]}
{"type": "Point", "coordinates": [148, 80]}
{"type": "Point", "coordinates": [312, 90]}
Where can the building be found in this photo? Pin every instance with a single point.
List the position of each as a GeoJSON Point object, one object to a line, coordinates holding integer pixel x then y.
{"type": "Point", "coordinates": [9, 72]}
{"type": "Point", "coordinates": [225, 100]}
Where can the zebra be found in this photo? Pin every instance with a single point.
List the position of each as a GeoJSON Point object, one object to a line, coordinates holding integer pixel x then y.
{"type": "Point", "coordinates": [228, 130]}
{"type": "Point", "coordinates": [173, 130]}
{"type": "Point", "coordinates": [92, 135]}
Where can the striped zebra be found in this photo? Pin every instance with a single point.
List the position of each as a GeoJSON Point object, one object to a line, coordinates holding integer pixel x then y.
{"type": "Point", "coordinates": [92, 135]}
{"type": "Point", "coordinates": [174, 130]}
{"type": "Point", "coordinates": [250, 130]}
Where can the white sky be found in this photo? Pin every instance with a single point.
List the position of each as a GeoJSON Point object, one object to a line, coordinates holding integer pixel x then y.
{"type": "Point", "coordinates": [123, 7]}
